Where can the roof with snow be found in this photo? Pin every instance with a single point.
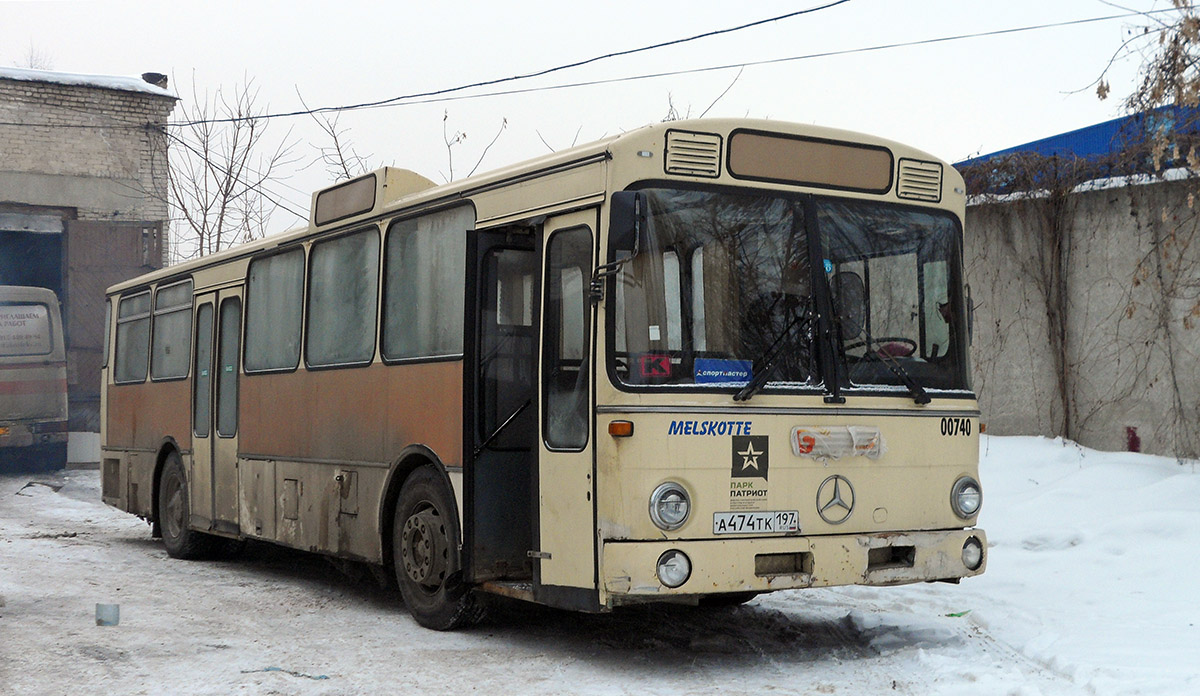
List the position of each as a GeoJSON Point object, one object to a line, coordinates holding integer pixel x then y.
{"type": "Point", "coordinates": [123, 84]}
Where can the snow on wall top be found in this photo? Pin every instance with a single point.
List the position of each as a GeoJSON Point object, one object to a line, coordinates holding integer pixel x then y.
{"type": "Point", "coordinates": [124, 84]}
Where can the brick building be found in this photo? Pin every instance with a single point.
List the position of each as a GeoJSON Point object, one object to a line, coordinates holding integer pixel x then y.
{"type": "Point", "coordinates": [83, 199]}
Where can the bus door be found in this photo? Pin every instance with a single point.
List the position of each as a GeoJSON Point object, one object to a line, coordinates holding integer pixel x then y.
{"type": "Point", "coordinates": [214, 479]}
{"type": "Point", "coordinates": [566, 534]}
{"type": "Point", "coordinates": [500, 404]}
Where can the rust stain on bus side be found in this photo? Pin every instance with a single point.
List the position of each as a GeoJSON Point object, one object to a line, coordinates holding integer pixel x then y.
{"type": "Point", "coordinates": [369, 414]}
{"type": "Point", "coordinates": [141, 415]}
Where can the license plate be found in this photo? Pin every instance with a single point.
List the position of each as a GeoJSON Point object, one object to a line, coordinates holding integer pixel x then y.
{"type": "Point", "coordinates": [756, 522]}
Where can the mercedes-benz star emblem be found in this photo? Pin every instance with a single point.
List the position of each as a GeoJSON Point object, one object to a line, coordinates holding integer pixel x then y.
{"type": "Point", "coordinates": [835, 499]}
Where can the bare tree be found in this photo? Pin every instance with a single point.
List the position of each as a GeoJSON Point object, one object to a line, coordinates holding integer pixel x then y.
{"type": "Point", "coordinates": [341, 160]}
{"type": "Point", "coordinates": [458, 138]}
{"type": "Point", "coordinates": [36, 59]}
{"type": "Point", "coordinates": [221, 164]}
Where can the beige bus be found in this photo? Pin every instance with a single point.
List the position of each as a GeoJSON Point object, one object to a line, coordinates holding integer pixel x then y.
{"type": "Point", "coordinates": [33, 379]}
{"type": "Point", "coordinates": [691, 363]}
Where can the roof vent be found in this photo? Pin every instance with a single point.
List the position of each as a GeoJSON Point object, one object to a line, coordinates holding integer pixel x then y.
{"type": "Point", "coordinates": [920, 180]}
{"type": "Point", "coordinates": [693, 154]}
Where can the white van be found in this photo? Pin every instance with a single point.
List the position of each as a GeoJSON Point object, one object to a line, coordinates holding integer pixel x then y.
{"type": "Point", "coordinates": [33, 378]}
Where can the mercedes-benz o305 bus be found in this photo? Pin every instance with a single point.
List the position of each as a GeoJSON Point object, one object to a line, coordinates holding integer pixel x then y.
{"type": "Point", "coordinates": [691, 363]}
{"type": "Point", "coordinates": [33, 379]}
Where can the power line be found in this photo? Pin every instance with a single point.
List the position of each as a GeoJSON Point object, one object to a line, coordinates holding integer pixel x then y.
{"type": "Point", "coordinates": [771, 61]}
{"type": "Point", "coordinates": [437, 96]}
{"type": "Point", "coordinates": [525, 76]}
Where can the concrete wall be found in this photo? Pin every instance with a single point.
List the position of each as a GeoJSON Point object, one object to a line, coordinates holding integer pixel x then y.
{"type": "Point", "coordinates": [1132, 318]}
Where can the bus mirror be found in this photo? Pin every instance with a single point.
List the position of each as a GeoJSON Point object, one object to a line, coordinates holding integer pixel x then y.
{"type": "Point", "coordinates": [627, 228]}
{"type": "Point", "coordinates": [627, 224]}
{"type": "Point", "coordinates": [850, 295]}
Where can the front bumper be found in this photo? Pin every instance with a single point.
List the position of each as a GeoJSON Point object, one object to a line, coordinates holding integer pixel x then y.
{"type": "Point", "coordinates": [778, 563]}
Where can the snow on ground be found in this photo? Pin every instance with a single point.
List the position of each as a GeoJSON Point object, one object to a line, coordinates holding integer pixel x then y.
{"type": "Point", "coordinates": [1090, 589]}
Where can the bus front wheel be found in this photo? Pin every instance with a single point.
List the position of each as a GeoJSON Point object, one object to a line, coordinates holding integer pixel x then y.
{"type": "Point", "coordinates": [174, 511]}
{"type": "Point", "coordinates": [425, 554]}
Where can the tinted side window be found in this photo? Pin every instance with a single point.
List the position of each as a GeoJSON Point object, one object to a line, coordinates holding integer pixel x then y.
{"type": "Point", "coordinates": [133, 338]}
{"type": "Point", "coordinates": [172, 331]}
{"type": "Point", "coordinates": [424, 285]}
{"type": "Point", "coordinates": [274, 309]}
{"type": "Point", "coordinates": [565, 339]}
{"type": "Point", "coordinates": [342, 295]}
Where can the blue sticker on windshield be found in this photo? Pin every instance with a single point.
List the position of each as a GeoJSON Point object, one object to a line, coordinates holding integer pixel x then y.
{"type": "Point", "coordinates": [717, 370]}
{"type": "Point", "coordinates": [828, 266]}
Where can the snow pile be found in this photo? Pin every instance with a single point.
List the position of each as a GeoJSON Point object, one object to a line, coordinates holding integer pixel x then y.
{"type": "Point", "coordinates": [1094, 568]}
{"type": "Point", "coordinates": [1090, 586]}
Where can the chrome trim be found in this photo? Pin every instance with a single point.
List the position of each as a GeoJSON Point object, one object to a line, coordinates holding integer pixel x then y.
{"type": "Point", "coordinates": [792, 411]}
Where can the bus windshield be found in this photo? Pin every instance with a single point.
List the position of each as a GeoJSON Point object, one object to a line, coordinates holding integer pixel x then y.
{"type": "Point", "coordinates": [720, 294]}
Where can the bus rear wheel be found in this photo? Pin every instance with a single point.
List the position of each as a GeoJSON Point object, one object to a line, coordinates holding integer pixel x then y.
{"type": "Point", "coordinates": [174, 512]}
{"type": "Point", "coordinates": [425, 555]}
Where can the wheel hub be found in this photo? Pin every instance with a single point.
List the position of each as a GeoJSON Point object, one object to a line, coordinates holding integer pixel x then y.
{"type": "Point", "coordinates": [424, 548]}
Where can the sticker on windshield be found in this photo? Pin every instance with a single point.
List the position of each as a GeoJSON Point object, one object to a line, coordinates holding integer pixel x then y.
{"type": "Point", "coordinates": [718, 371]}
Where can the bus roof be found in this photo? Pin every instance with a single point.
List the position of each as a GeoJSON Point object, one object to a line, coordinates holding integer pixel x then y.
{"type": "Point", "coordinates": [415, 192]}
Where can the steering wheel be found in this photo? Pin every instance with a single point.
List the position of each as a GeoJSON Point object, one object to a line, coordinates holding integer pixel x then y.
{"type": "Point", "coordinates": [895, 346]}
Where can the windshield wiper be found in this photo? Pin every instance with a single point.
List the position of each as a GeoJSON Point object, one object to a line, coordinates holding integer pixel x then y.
{"type": "Point", "coordinates": [890, 362]}
{"type": "Point", "coordinates": [770, 358]}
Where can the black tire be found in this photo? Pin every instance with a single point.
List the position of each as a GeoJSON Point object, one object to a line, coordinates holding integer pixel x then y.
{"type": "Point", "coordinates": [729, 599]}
{"type": "Point", "coordinates": [428, 568]}
{"type": "Point", "coordinates": [51, 457]}
{"type": "Point", "coordinates": [174, 511]}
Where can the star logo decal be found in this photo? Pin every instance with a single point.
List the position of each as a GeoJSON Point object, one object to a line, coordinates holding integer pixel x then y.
{"type": "Point", "coordinates": [750, 456]}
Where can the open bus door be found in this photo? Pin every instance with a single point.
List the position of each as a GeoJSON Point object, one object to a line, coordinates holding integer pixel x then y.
{"type": "Point", "coordinates": [499, 443]}
{"type": "Point", "coordinates": [566, 485]}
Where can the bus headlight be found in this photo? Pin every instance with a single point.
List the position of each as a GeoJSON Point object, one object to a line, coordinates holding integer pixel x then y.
{"type": "Point", "coordinates": [966, 497]}
{"type": "Point", "coordinates": [669, 506]}
{"type": "Point", "coordinates": [972, 553]}
{"type": "Point", "coordinates": [674, 568]}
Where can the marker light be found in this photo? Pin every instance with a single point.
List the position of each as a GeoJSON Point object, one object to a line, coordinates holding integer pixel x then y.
{"type": "Point", "coordinates": [620, 428]}
{"type": "Point", "coordinates": [669, 506]}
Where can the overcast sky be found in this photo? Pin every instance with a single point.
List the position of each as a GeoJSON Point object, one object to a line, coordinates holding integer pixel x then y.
{"type": "Point", "coordinates": [953, 99]}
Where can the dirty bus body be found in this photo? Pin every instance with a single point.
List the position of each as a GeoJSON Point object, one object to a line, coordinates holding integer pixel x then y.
{"type": "Point", "coordinates": [703, 359]}
{"type": "Point", "coordinates": [33, 377]}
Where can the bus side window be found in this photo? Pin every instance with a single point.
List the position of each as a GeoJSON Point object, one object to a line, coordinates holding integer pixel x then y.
{"type": "Point", "coordinates": [274, 307]}
{"type": "Point", "coordinates": [133, 338]}
{"type": "Point", "coordinates": [423, 287]}
{"type": "Point", "coordinates": [565, 335]}
{"type": "Point", "coordinates": [172, 333]}
{"type": "Point", "coordinates": [107, 331]}
{"type": "Point", "coordinates": [342, 292]}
